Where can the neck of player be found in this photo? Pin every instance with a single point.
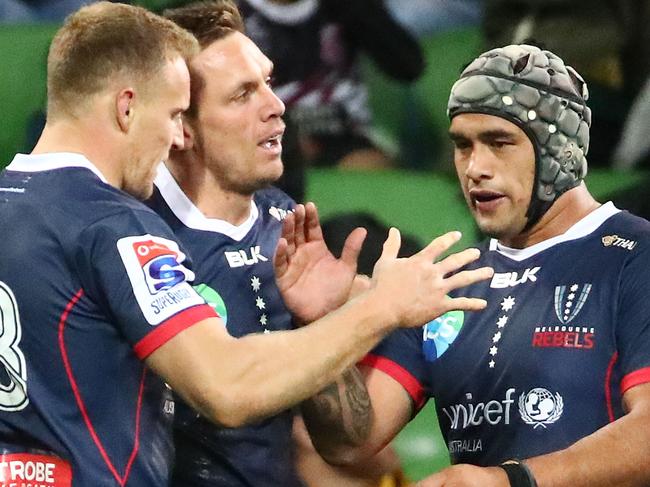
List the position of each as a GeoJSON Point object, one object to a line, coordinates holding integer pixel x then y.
{"type": "Point", "coordinates": [207, 192]}
{"type": "Point", "coordinates": [568, 209]}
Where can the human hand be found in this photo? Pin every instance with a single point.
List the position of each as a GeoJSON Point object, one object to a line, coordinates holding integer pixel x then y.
{"type": "Point", "coordinates": [311, 280]}
{"type": "Point", "coordinates": [415, 290]}
{"type": "Point", "coordinates": [467, 476]}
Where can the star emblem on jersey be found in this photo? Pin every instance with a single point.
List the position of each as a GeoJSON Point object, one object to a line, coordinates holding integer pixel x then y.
{"type": "Point", "coordinates": [507, 303]}
{"type": "Point", "coordinates": [256, 285]}
{"type": "Point", "coordinates": [502, 321]}
{"type": "Point", "coordinates": [568, 305]}
{"type": "Point", "coordinates": [539, 407]}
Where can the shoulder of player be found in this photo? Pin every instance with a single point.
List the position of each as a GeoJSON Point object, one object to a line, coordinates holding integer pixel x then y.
{"type": "Point", "coordinates": [626, 226]}
{"type": "Point", "coordinates": [273, 197]}
{"type": "Point", "coordinates": [123, 216]}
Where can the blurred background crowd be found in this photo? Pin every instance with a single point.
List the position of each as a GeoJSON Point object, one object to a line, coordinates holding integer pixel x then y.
{"type": "Point", "coordinates": [365, 81]}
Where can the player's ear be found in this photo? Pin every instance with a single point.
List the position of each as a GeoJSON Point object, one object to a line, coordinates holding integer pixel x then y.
{"type": "Point", "coordinates": [189, 133]}
{"type": "Point", "coordinates": [124, 108]}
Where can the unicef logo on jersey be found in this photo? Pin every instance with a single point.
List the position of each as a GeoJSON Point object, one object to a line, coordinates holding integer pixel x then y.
{"type": "Point", "coordinates": [440, 333]}
{"type": "Point", "coordinates": [539, 407]}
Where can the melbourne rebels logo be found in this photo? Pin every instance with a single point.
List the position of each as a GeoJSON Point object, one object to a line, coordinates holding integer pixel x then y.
{"type": "Point", "coordinates": [539, 407]}
{"type": "Point", "coordinates": [160, 265]}
{"type": "Point", "coordinates": [568, 304]}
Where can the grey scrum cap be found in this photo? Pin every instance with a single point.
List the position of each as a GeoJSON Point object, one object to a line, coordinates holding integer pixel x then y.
{"type": "Point", "coordinates": [535, 90]}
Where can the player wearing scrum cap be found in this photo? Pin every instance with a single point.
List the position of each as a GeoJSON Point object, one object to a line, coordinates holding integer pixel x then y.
{"type": "Point", "coordinates": [556, 369]}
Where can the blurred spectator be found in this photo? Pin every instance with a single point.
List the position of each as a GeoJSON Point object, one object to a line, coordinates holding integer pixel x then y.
{"type": "Point", "coordinates": [316, 46]}
{"type": "Point", "coordinates": [337, 227]}
{"type": "Point", "coordinates": [633, 149]}
{"type": "Point", "coordinates": [25, 11]}
{"type": "Point", "coordinates": [429, 17]}
{"type": "Point", "coordinates": [587, 35]}
{"type": "Point", "coordinates": [15, 11]}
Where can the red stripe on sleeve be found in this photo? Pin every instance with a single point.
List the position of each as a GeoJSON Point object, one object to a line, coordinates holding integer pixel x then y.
{"type": "Point", "coordinates": [172, 327]}
{"type": "Point", "coordinates": [635, 378]}
{"type": "Point", "coordinates": [608, 387]}
{"type": "Point", "coordinates": [400, 374]}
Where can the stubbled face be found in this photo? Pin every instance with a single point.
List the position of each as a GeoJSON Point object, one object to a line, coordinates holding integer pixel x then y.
{"type": "Point", "coordinates": [238, 126]}
{"type": "Point", "coordinates": [157, 126]}
{"type": "Point", "coordinates": [495, 162]}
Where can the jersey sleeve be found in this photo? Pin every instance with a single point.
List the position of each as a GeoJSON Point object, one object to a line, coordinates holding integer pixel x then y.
{"type": "Point", "coordinates": [633, 321]}
{"type": "Point", "coordinates": [133, 268]}
{"type": "Point", "coordinates": [400, 356]}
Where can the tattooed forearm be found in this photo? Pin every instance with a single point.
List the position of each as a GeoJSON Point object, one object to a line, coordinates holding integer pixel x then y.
{"type": "Point", "coordinates": [340, 414]}
{"type": "Point", "coordinates": [358, 403]}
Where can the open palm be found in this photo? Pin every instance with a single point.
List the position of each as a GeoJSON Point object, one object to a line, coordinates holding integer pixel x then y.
{"type": "Point", "coordinates": [311, 280]}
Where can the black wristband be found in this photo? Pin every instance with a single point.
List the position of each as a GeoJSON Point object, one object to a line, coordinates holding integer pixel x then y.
{"type": "Point", "coordinates": [519, 475]}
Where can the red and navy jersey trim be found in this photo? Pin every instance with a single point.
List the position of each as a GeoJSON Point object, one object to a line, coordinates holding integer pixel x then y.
{"type": "Point", "coordinates": [121, 479]}
{"type": "Point", "coordinates": [400, 374]}
{"type": "Point", "coordinates": [172, 327]}
{"type": "Point", "coordinates": [635, 378]}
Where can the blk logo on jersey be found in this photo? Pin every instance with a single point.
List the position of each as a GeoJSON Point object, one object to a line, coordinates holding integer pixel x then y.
{"type": "Point", "coordinates": [278, 213]}
{"type": "Point", "coordinates": [502, 280]}
{"type": "Point", "coordinates": [158, 277]}
{"type": "Point", "coordinates": [240, 258]}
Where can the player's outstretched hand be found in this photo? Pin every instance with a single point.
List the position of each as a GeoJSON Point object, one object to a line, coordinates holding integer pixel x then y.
{"type": "Point", "coordinates": [466, 476]}
{"type": "Point", "coordinates": [415, 290]}
{"type": "Point", "coordinates": [311, 280]}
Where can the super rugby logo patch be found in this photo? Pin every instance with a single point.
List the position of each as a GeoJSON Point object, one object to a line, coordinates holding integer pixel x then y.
{"type": "Point", "coordinates": [159, 279]}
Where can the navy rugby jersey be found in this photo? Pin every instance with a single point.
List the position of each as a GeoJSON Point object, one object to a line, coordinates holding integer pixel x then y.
{"type": "Point", "coordinates": [565, 333]}
{"type": "Point", "coordinates": [91, 283]}
{"type": "Point", "coordinates": [234, 273]}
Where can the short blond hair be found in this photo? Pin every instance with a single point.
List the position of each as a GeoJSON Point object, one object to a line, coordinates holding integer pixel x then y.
{"type": "Point", "coordinates": [104, 40]}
